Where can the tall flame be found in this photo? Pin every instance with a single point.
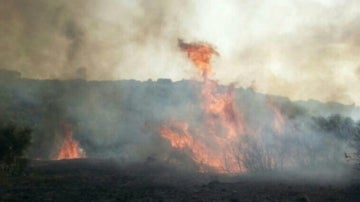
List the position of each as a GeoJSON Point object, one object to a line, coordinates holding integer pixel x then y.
{"type": "Point", "coordinates": [70, 148]}
{"type": "Point", "coordinates": [213, 146]}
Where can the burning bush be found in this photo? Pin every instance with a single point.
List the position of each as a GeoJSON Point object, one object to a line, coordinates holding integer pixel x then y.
{"type": "Point", "coordinates": [70, 148]}
{"type": "Point", "coordinates": [224, 141]}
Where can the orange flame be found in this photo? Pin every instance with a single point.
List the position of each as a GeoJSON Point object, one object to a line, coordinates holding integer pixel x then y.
{"type": "Point", "coordinates": [209, 158]}
{"type": "Point", "coordinates": [220, 109]}
{"type": "Point", "coordinates": [213, 146]}
{"type": "Point", "coordinates": [200, 54]}
{"type": "Point", "coordinates": [70, 148]}
{"type": "Point", "coordinates": [279, 120]}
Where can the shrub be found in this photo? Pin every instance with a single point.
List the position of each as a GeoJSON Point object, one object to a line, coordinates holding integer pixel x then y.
{"type": "Point", "coordinates": [13, 142]}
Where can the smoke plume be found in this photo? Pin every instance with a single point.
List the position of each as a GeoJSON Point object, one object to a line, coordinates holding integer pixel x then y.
{"type": "Point", "coordinates": [299, 49]}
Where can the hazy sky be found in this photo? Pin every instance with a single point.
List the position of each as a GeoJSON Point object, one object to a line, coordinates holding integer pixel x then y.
{"type": "Point", "coordinates": [303, 49]}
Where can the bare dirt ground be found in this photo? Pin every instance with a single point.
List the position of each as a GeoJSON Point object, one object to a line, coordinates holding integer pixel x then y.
{"type": "Point", "coordinates": [108, 180]}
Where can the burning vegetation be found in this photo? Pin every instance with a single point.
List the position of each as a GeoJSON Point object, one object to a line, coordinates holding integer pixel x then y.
{"type": "Point", "coordinates": [223, 142]}
{"type": "Point", "coordinates": [200, 124]}
{"type": "Point", "coordinates": [212, 144]}
{"type": "Point", "coordinates": [70, 148]}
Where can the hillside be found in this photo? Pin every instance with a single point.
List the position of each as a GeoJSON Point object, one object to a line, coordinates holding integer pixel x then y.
{"type": "Point", "coordinates": [122, 119]}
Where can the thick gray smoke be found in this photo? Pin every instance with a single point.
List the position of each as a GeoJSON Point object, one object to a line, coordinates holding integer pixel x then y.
{"type": "Point", "coordinates": [276, 46]}
{"type": "Point", "coordinates": [122, 120]}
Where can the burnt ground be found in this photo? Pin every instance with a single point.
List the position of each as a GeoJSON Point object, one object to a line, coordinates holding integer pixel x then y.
{"type": "Point", "coordinates": [108, 180]}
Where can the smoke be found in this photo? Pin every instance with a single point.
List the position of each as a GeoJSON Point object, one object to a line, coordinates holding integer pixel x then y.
{"type": "Point", "coordinates": [295, 49]}
{"type": "Point", "coordinates": [123, 119]}
{"type": "Point", "coordinates": [298, 49]}
{"type": "Point", "coordinates": [274, 47]}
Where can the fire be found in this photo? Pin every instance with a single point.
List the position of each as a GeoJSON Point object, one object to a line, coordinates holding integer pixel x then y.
{"type": "Point", "coordinates": [279, 120]}
{"type": "Point", "coordinates": [200, 54]}
{"type": "Point", "coordinates": [221, 110]}
{"type": "Point", "coordinates": [209, 158]}
{"type": "Point", "coordinates": [70, 148]}
{"type": "Point", "coordinates": [212, 146]}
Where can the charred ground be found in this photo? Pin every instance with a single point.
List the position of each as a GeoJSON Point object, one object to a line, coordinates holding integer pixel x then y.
{"type": "Point", "coordinates": [109, 180]}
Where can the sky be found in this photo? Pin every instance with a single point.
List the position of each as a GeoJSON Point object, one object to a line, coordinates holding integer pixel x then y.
{"type": "Point", "coordinates": [301, 49]}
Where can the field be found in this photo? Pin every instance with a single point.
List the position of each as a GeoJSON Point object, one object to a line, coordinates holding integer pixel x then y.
{"type": "Point", "coordinates": [109, 180]}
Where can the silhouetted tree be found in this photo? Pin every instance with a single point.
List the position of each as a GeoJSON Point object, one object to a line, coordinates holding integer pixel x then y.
{"type": "Point", "coordinates": [13, 142]}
